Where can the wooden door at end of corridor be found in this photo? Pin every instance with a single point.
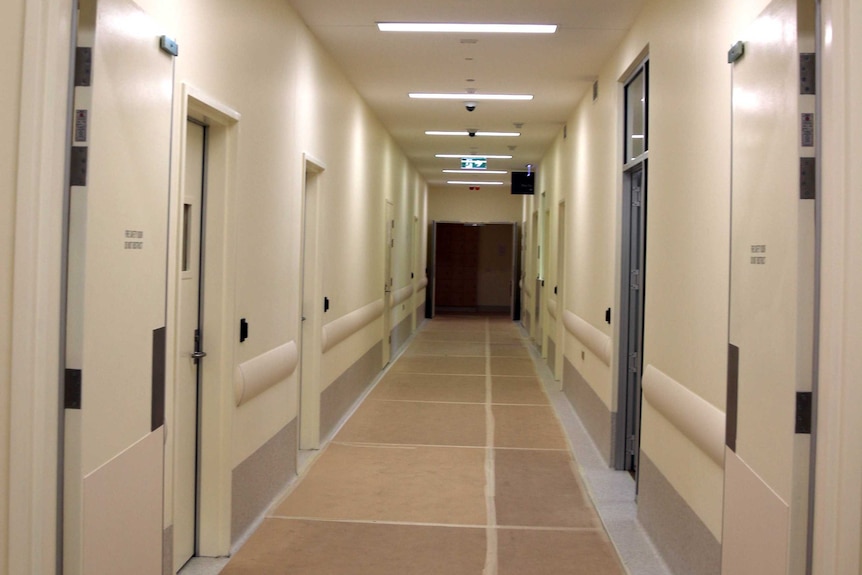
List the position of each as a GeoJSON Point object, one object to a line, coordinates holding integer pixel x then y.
{"type": "Point", "coordinates": [456, 266]}
{"type": "Point", "coordinates": [475, 267]}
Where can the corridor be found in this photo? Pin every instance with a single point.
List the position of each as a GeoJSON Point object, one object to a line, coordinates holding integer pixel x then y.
{"type": "Point", "coordinates": [455, 463]}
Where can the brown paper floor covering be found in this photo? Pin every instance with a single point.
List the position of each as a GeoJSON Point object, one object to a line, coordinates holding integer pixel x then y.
{"type": "Point", "coordinates": [454, 464]}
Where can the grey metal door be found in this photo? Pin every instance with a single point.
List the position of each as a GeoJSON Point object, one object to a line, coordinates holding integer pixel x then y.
{"type": "Point", "coordinates": [631, 313]}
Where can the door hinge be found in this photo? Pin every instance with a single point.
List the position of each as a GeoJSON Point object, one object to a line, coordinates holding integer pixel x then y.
{"type": "Point", "coordinates": [633, 362]}
{"type": "Point", "coordinates": [83, 67]}
{"type": "Point", "coordinates": [630, 445]}
{"type": "Point", "coordinates": [803, 411]}
{"type": "Point", "coordinates": [807, 178]}
{"type": "Point", "coordinates": [72, 389]}
{"type": "Point", "coordinates": [807, 74]}
{"type": "Point", "coordinates": [78, 166]}
{"type": "Point", "coordinates": [636, 280]}
{"type": "Point", "coordinates": [325, 304]}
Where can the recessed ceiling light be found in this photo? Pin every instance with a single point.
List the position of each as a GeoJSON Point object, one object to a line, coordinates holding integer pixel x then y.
{"type": "Point", "coordinates": [494, 172]}
{"type": "Point", "coordinates": [473, 156]}
{"type": "Point", "coordinates": [428, 96]}
{"type": "Point", "coordinates": [466, 133]}
{"type": "Point", "coordinates": [467, 28]}
{"type": "Point", "coordinates": [459, 183]}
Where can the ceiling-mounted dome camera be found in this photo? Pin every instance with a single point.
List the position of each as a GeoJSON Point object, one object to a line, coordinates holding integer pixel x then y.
{"type": "Point", "coordinates": [472, 133]}
{"type": "Point", "coordinates": [470, 106]}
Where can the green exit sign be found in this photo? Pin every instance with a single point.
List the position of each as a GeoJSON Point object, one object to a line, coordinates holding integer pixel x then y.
{"type": "Point", "coordinates": [474, 163]}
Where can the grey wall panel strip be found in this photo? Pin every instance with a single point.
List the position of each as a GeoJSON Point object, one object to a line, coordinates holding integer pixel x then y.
{"type": "Point", "coordinates": [158, 394]}
{"type": "Point", "coordinates": [732, 395]}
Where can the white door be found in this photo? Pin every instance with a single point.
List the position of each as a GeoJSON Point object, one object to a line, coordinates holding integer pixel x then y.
{"type": "Point", "coordinates": [115, 340]}
{"type": "Point", "coordinates": [559, 291]}
{"type": "Point", "coordinates": [771, 300]}
{"type": "Point", "coordinates": [312, 311]}
{"type": "Point", "coordinates": [190, 346]}
{"type": "Point", "coordinates": [388, 281]}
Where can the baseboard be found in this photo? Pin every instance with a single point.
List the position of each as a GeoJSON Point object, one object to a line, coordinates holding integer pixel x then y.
{"type": "Point", "coordinates": [401, 333]}
{"type": "Point", "coordinates": [259, 479]}
{"type": "Point", "coordinates": [685, 543]}
{"type": "Point", "coordinates": [596, 417]}
{"type": "Point", "coordinates": [344, 391]}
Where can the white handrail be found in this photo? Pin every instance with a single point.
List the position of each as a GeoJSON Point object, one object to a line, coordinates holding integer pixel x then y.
{"type": "Point", "coordinates": [258, 374]}
{"type": "Point", "coordinates": [340, 329]}
{"type": "Point", "coordinates": [596, 341]}
{"type": "Point", "coordinates": [697, 419]}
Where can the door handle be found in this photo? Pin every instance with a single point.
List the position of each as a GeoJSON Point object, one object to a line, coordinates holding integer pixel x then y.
{"type": "Point", "coordinates": [198, 354]}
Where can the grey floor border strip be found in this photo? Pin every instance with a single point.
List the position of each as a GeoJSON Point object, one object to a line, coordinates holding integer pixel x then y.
{"type": "Point", "coordinates": [612, 492]}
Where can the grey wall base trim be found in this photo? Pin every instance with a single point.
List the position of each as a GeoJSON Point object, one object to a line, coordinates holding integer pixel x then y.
{"type": "Point", "coordinates": [596, 417]}
{"type": "Point", "coordinates": [344, 391]}
{"type": "Point", "coordinates": [552, 353]}
{"type": "Point", "coordinates": [400, 334]}
{"type": "Point", "coordinates": [686, 544]}
{"type": "Point", "coordinates": [261, 478]}
{"type": "Point", "coordinates": [168, 550]}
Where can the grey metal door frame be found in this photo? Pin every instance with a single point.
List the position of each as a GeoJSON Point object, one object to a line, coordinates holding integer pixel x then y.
{"type": "Point", "coordinates": [631, 316]}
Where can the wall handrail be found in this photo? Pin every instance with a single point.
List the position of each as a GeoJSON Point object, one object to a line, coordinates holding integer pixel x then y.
{"type": "Point", "coordinates": [423, 283]}
{"type": "Point", "coordinates": [697, 419]}
{"type": "Point", "coordinates": [340, 329]}
{"type": "Point", "coordinates": [401, 295]}
{"type": "Point", "coordinates": [552, 308]}
{"type": "Point", "coordinates": [260, 373]}
{"type": "Point", "coordinates": [593, 338]}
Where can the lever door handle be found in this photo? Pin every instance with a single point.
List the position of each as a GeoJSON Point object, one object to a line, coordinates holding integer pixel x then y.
{"type": "Point", "coordinates": [198, 354]}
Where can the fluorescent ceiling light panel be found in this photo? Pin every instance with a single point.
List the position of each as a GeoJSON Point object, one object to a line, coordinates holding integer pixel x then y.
{"type": "Point", "coordinates": [467, 28]}
{"type": "Point", "coordinates": [493, 134]}
{"type": "Point", "coordinates": [473, 156]}
{"type": "Point", "coordinates": [457, 183]}
{"type": "Point", "coordinates": [470, 97]}
{"type": "Point", "coordinates": [475, 172]}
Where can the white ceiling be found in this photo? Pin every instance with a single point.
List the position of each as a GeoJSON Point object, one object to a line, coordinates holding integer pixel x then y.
{"type": "Point", "coordinates": [558, 69]}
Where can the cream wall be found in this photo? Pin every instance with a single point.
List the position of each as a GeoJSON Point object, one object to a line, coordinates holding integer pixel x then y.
{"type": "Point", "coordinates": [11, 32]}
{"type": "Point", "coordinates": [686, 311]}
{"type": "Point", "coordinates": [458, 204]}
{"type": "Point", "coordinates": [838, 497]}
{"type": "Point", "coordinates": [293, 100]}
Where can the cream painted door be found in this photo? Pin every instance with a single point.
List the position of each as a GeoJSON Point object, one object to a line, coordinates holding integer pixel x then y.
{"type": "Point", "coordinates": [771, 301]}
{"type": "Point", "coordinates": [190, 347]}
{"type": "Point", "coordinates": [311, 321]}
{"type": "Point", "coordinates": [115, 339]}
{"type": "Point", "coordinates": [388, 281]}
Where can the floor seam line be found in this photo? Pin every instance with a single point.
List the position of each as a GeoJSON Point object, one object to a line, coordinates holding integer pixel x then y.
{"type": "Point", "coordinates": [491, 545]}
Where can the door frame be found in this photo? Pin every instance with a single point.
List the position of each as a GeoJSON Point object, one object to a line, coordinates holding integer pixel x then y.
{"type": "Point", "coordinates": [187, 228]}
{"type": "Point", "coordinates": [388, 276]}
{"type": "Point", "coordinates": [560, 292]}
{"type": "Point", "coordinates": [628, 408]}
{"type": "Point", "coordinates": [311, 321]}
{"type": "Point", "coordinates": [628, 416]}
{"type": "Point", "coordinates": [217, 396]}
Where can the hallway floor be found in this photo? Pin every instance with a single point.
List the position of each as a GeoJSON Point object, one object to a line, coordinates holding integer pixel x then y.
{"type": "Point", "coordinates": [455, 463]}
